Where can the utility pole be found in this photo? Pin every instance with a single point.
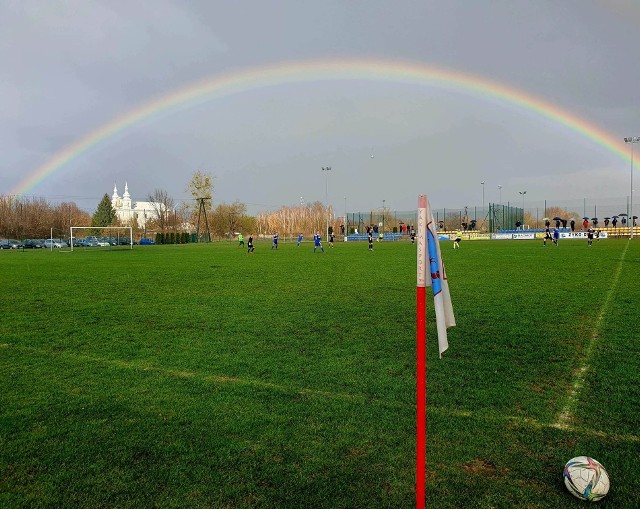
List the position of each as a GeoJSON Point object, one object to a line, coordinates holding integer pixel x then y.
{"type": "Point", "coordinates": [326, 170]}
{"type": "Point", "coordinates": [202, 211]}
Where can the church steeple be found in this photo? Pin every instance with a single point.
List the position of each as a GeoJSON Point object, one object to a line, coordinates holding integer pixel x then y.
{"type": "Point", "coordinates": [115, 192]}
{"type": "Point", "coordinates": [126, 197]}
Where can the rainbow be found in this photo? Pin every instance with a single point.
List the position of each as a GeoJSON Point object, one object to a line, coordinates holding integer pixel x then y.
{"type": "Point", "coordinates": [403, 72]}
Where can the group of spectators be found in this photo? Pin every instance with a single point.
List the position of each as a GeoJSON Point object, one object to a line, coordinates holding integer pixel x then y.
{"type": "Point", "coordinates": [589, 223]}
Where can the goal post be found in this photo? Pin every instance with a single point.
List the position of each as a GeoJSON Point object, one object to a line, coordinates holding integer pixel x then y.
{"type": "Point", "coordinates": [101, 236]}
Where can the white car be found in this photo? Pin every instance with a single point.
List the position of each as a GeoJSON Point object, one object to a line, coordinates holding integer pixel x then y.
{"type": "Point", "coordinates": [51, 243]}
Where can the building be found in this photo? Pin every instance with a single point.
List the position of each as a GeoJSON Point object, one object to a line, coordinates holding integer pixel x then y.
{"type": "Point", "coordinates": [127, 214]}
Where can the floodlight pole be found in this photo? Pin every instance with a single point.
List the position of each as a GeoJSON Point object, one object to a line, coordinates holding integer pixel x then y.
{"type": "Point", "coordinates": [482, 226]}
{"type": "Point", "coordinates": [632, 140]}
{"type": "Point", "coordinates": [346, 222]}
{"type": "Point", "coordinates": [326, 170]}
{"type": "Point", "coordinates": [500, 191]}
{"type": "Point", "coordinates": [522, 193]}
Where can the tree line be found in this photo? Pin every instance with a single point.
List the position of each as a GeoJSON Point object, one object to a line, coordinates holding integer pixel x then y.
{"type": "Point", "coordinates": [22, 218]}
{"type": "Point", "coordinates": [35, 217]}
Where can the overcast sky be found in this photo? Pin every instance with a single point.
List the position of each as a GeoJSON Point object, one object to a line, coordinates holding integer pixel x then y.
{"type": "Point", "coordinates": [70, 67]}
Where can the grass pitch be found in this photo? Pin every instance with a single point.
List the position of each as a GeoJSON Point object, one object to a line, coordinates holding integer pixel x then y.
{"type": "Point", "coordinates": [199, 376]}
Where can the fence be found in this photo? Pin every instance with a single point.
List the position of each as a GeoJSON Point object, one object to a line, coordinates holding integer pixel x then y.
{"type": "Point", "coordinates": [504, 216]}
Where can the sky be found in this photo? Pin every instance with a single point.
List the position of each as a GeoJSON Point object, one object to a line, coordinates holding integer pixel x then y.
{"type": "Point", "coordinates": [289, 87]}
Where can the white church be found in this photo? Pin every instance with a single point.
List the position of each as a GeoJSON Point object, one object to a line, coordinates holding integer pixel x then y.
{"type": "Point", "coordinates": [142, 211]}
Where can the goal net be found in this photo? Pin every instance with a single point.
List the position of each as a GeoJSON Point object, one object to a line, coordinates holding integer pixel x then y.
{"type": "Point", "coordinates": [105, 237]}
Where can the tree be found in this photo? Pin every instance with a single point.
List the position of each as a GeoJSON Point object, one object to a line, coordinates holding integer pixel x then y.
{"type": "Point", "coordinates": [105, 214]}
{"type": "Point", "coordinates": [34, 217]}
{"type": "Point", "coordinates": [228, 219]}
{"type": "Point", "coordinates": [162, 205]}
{"type": "Point", "coordinates": [201, 188]}
{"type": "Point", "coordinates": [201, 185]}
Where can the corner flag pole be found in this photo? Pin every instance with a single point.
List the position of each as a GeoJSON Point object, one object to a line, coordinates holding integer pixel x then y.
{"type": "Point", "coordinates": [421, 355]}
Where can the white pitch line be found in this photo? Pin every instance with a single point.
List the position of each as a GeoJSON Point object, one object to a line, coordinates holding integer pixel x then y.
{"type": "Point", "coordinates": [488, 415]}
{"type": "Point", "coordinates": [566, 415]}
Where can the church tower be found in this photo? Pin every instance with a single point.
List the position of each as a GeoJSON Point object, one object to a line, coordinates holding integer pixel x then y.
{"type": "Point", "coordinates": [126, 197]}
{"type": "Point", "coordinates": [116, 202]}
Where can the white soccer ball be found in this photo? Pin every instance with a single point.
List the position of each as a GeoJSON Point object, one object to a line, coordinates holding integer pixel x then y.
{"type": "Point", "coordinates": [586, 478]}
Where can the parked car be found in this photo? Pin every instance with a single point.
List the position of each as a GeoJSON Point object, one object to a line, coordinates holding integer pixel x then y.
{"type": "Point", "coordinates": [10, 244]}
{"type": "Point", "coordinates": [81, 243]}
{"type": "Point", "coordinates": [146, 242]}
{"type": "Point", "coordinates": [54, 243]}
{"type": "Point", "coordinates": [33, 244]}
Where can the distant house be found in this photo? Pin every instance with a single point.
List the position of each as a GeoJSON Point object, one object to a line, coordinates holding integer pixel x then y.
{"type": "Point", "coordinates": [127, 214]}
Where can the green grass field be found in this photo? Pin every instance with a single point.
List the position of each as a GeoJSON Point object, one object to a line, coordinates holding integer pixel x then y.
{"type": "Point", "coordinates": [198, 376]}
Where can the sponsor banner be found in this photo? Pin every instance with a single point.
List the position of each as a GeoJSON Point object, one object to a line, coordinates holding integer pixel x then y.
{"type": "Point", "coordinates": [581, 235]}
{"type": "Point", "coordinates": [478, 236]}
{"type": "Point", "coordinates": [537, 235]}
{"type": "Point", "coordinates": [524, 236]}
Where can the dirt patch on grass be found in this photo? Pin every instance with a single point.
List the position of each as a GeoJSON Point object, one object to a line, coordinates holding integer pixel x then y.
{"type": "Point", "coordinates": [480, 466]}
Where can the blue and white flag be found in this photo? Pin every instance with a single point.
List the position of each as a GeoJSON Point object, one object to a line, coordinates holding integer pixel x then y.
{"type": "Point", "coordinates": [439, 284]}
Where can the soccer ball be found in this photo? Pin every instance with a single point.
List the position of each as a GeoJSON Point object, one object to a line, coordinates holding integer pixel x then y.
{"type": "Point", "coordinates": [586, 478]}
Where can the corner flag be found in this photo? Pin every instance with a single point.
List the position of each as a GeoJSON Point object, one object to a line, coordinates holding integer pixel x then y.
{"type": "Point", "coordinates": [439, 284]}
{"type": "Point", "coordinates": [428, 249]}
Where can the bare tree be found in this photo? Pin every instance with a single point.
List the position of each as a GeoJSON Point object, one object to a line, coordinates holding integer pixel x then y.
{"type": "Point", "coordinates": [162, 205]}
{"type": "Point", "coordinates": [228, 218]}
{"type": "Point", "coordinates": [34, 217]}
{"type": "Point", "coordinates": [291, 220]}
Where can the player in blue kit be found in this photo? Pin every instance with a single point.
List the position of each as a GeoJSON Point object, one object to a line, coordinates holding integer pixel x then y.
{"type": "Point", "coordinates": [275, 241]}
{"type": "Point", "coordinates": [556, 236]}
{"type": "Point", "coordinates": [299, 240]}
{"type": "Point", "coordinates": [316, 242]}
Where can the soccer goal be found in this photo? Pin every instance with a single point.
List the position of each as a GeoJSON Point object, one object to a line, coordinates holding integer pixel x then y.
{"type": "Point", "coordinates": [101, 236]}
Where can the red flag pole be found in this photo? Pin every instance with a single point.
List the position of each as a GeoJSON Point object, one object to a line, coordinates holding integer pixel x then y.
{"type": "Point", "coordinates": [421, 355]}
